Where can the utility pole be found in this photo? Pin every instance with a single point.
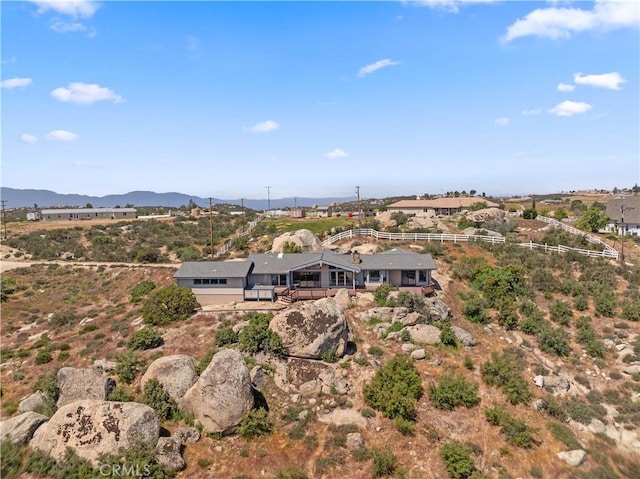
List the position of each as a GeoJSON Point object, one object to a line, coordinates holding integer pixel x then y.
{"type": "Point", "coordinates": [211, 224]}
{"type": "Point", "coordinates": [359, 210]}
{"type": "Point", "coordinates": [268, 200]}
{"type": "Point", "coordinates": [4, 218]}
{"type": "Point", "coordinates": [243, 220]}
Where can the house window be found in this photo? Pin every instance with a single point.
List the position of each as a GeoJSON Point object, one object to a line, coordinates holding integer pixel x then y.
{"type": "Point", "coordinates": [197, 281]}
{"type": "Point", "coordinates": [375, 276]}
{"type": "Point", "coordinates": [210, 281]}
{"type": "Point", "coordinates": [278, 279]}
{"type": "Point", "coordinates": [422, 275]}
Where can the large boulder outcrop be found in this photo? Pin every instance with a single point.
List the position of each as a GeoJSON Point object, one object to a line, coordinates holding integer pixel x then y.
{"type": "Point", "coordinates": [438, 310]}
{"type": "Point", "coordinates": [222, 395]}
{"type": "Point", "coordinates": [36, 402]}
{"type": "Point", "coordinates": [79, 384]}
{"type": "Point", "coordinates": [485, 214]}
{"type": "Point", "coordinates": [20, 429]}
{"type": "Point", "coordinates": [177, 373]}
{"type": "Point", "coordinates": [91, 428]}
{"type": "Point", "coordinates": [424, 334]}
{"type": "Point", "coordinates": [311, 329]}
{"type": "Point", "coordinates": [303, 238]}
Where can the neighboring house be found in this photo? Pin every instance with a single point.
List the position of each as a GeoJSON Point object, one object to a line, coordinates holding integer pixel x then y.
{"type": "Point", "coordinates": [297, 213]}
{"type": "Point", "coordinates": [88, 214]}
{"type": "Point", "coordinates": [271, 275]}
{"type": "Point", "coordinates": [440, 206]}
{"type": "Point", "coordinates": [624, 216]}
{"type": "Point", "coordinates": [322, 211]}
{"type": "Point", "coordinates": [33, 216]}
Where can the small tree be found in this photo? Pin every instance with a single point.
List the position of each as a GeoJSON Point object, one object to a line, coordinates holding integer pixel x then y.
{"type": "Point", "coordinates": [156, 396]}
{"type": "Point", "coordinates": [452, 391]}
{"type": "Point", "coordinates": [458, 459]}
{"type": "Point", "coordinates": [592, 220]}
{"type": "Point", "coordinates": [173, 303]}
{"type": "Point", "coordinates": [146, 338]}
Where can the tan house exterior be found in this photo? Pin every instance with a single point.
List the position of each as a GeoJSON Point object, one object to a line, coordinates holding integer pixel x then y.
{"type": "Point", "coordinates": [439, 206]}
{"type": "Point", "coordinates": [72, 214]}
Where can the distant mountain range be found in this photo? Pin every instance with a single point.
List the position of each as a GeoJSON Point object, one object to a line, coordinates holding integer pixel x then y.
{"type": "Point", "coordinates": [17, 198]}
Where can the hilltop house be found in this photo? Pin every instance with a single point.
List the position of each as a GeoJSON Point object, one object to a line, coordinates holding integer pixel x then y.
{"type": "Point", "coordinates": [292, 276]}
{"type": "Point", "coordinates": [624, 216]}
{"type": "Point", "coordinates": [439, 206]}
{"type": "Point", "coordinates": [88, 214]}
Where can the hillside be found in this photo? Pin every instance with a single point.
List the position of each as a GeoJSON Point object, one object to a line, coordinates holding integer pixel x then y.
{"type": "Point", "coordinates": [98, 317]}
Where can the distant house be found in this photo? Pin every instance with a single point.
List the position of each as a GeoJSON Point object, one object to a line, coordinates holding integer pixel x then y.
{"type": "Point", "coordinates": [624, 216]}
{"type": "Point", "coordinates": [304, 275]}
{"type": "Point", "coordinates": [33, 216]}
{"type": "Point", "coordinates": [439, 206]}
{"type": "Point", "coordinates": [88, 214]}
{"type": "Point", "coordinates": [297, 212]}
{"type": "Point", "coordinates": [321, 211]}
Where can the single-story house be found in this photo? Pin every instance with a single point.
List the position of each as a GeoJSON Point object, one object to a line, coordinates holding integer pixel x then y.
{"type": "Point", "coordinates": [439, 206]}
{"type": "Point", "coordinates": [272, 275]}
{"type": "Point", "coordinates": [88, 214]}
{"type": "Point", "coordinates": [624, 216]}
{"type": "Point", "coordinates": [321, 211]}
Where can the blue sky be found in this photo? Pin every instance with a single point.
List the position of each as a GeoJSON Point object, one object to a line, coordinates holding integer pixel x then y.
{"type": "Point", "coordinates": [222, 99]}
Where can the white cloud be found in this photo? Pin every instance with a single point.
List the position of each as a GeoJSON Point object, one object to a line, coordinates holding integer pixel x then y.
{"type": "Point", "coordinates": [565, 87]}
{"type": "Point", "coordinates": [570, 108]}
{"type": "Point", "coordinates": [335, 154]}
{"type": "Point", "coordinates": [611, 80]}
{"type": "Point", "coordinates": [27, 138]}
{"type": "Point", "coordinates": [556, 22]}
{"type": "Point", "coordinates": [85, 94]}
{"type": "Point", "coordinates": [264, 127]}
{"type": "Point", "coordinates": [503, 121]}
{"type": "Point", "coordinates": [15, 83]}
{"type": "Point", "coordinates": [372, 67]}
{"type": "Point", "coordinates": [72, 8]}
{"type": "Point", "coordinates": [61, 135]}
{"type": "Point", "coordinates": [535, 111]}
{"type": "Point", "coordinates": [451, 6]}
{"type": "Point", "coordinates": [67, 27]}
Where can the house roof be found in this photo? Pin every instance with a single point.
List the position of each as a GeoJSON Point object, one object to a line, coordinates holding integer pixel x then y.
{"type": "Point", "coordinates": [281, 263]}
{"type": "Point", "coordinates": [398, 258]}
{"type": "Point", "coordinates": [455, 202]}
{"type": "Point", "coordinates": [214, 269]}
{"type": "Point", "coordinates": [631, 209]}
{"type": "Point", "coordinates": [87, 210]}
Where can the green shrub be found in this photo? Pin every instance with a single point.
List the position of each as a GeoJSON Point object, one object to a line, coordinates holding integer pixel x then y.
{"type": "Point", "coordinates": [155, 395]}
{"type": "Point", "coordinates": [381, 293]}
{"type": "Point", "coordinates": [225, 337]}
{"type": "Point", "coordinates": [504, 370]}
{"type": "Point", "coordinates": [10, 458]}
{"type": "Point", "coordinates": [475, 309]}
{"type": "Point", "coordinates": [563, 434]}
{"type": "Point", "coordinates": [255, 424]}
{"type": "Point", "coordinates": [166, 305]}
{"type": "Point", "coordinates": [376, 350]}
{"type": "Point", "coordinates": [553, 407]}
{"type": "Point", "coordinates": [458, 459]}
{"type": "Point", "coordinates": [43, 356]}
{"type": "Point", "coordinates": [395, 388]}
{"type": "Point", "coordinates": [128, 364]}
{"type": "Point", "coordinates": [145, 338]}
{"type": "Point", "coordinates": [560, 312]}
{"type": "Point", "coordinates": [385, 462]}
{"type": "Point", "coordinates": [141, 290]}
{"type": "Point", "coordinates": [204, 362]}
{"type": "Point", "coordinates": [291, 472]}
{"type": "Point", "coordinates": [452, 391]}
{"type": "Point", "coordinates": [554, 340]}
{"type": "Point", "coordinates": [256, 336]}
{"type": "Point", "coordinates": [119, 393]}
{"type": "Point", "coordinates": [516, 431]}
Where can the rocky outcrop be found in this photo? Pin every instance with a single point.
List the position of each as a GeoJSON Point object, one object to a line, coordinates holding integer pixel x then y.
{"type": "Point", "coordinates": [20, 429]}
{"type": "Point", "coordinates": [424, 334]}
{"type": "Point", "coordinates": [177, 373]}
{"type": "Point", "coordinates": [91, 428]}
{"type": "Point", "coordinates": [168, 454]}
{"type": "Point", "coordinates": [465, 337]}
{"type": "Point", "coordinates": [438, 310]}
{"type": "Point", "coordinates": [82, 384]}
{"type": "Point", "coordinates": [36, 402]}
{"type": "Point", "coordinates": [222, 395]}
{"type": "Point", "coordinates": [311, 329]}
{"type": "Point", "coordinates": [485, 214]}
{"type": "Point", "coordinates": [187, 435]}
{"type": "Point", "coordinates": [303, 238]}
{"type": "Point", "coordinates": [573, 458]}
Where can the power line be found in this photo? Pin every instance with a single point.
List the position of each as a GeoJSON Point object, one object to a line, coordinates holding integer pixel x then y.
{"type": "Point", "coordinates": [268, 200]}
{"type": "Point", "coordinates": [4, 217]}
{"type": "Point", "coordinates": [211, 224]}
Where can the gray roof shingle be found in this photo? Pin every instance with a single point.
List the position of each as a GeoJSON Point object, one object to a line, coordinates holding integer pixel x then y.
{"type": "Point", "coordinates": [213, 269]}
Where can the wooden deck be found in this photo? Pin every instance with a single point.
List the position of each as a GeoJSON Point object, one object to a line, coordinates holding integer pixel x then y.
{"type": "Point", "coordinates": [288, 295]}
